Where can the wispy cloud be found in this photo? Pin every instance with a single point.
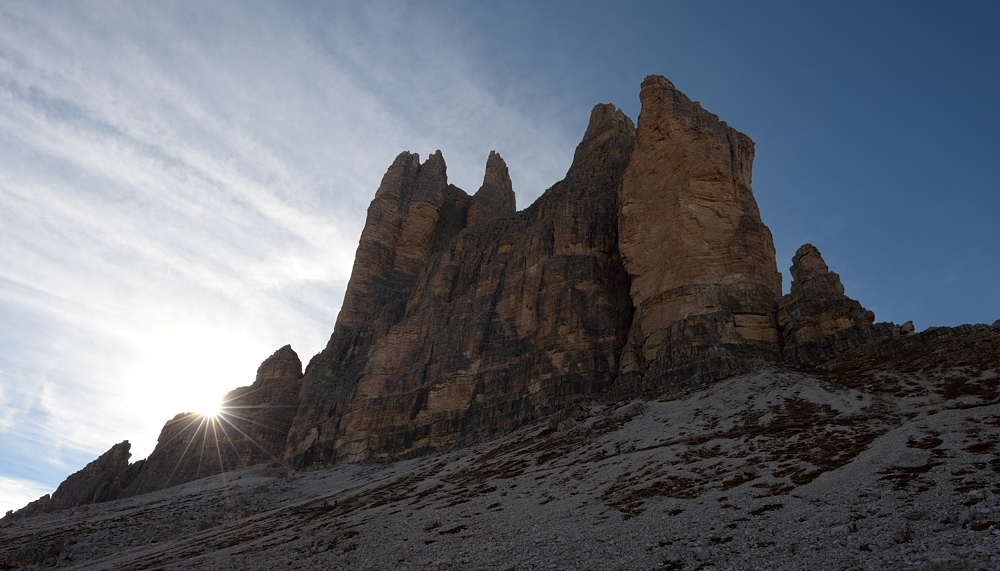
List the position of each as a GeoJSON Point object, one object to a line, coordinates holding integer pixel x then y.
{"type": "Point", "coordinates": [181, 192]}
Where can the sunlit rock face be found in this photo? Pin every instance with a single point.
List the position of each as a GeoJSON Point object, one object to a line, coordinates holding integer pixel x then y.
{"type": "Point", "coordinates": [647, 265]}
{"type": "Point", "coordinates": [250, 428]}
{"type": "Point", "coordinates": [703, 275]}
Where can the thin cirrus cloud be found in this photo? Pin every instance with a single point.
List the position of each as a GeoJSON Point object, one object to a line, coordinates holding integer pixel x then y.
{"type": "Point", "coordinates": [181, 193]}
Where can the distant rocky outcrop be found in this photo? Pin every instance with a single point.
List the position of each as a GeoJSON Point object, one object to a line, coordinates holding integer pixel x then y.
{"type": "Point", "coordinates": [818, 321]}
{"type": "Point", "coordinates": [646, 269]}
{"type": "Point", "coordinates": [250, 429]}
{"type": "Point", "coordinates": [816, 306]}
{"type": "Point", "coordinates": [101, 480]}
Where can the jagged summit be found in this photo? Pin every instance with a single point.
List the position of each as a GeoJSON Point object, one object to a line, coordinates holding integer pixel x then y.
{"type": "Point", "coordinates": [816, 306]}
{"type": "Point", "coordinates": [99, 481]}
{"type": "Point", "coordinates": [495, 198]}
{"type": "Point", "coordinates": [608, 139]}
{"type": "Point", "coordinates": [283, 364]}
{"type": "Point", "coordinates": [647, 270]}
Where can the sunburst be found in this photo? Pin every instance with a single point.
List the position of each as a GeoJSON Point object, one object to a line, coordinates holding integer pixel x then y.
{"type": "Point", "coordinates": [211, 431]}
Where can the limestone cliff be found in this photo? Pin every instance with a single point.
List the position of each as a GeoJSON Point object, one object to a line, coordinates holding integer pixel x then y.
{"type": "Point", "coordinates": [415, 213]}
{"type": "Point", "coordinates": [516, 317]}
{"type": "Point", "coordinates": [648, 266]}
{"type": "Point", "coordinates": [495, 198]}
{"type": "Point", "coordinates": [816, 306]}
{"type": "Point", "coordinates": [704, 279]}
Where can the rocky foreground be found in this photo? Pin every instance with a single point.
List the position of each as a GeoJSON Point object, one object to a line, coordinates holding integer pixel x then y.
{"type": "Point", "coordinates": [862, 463]}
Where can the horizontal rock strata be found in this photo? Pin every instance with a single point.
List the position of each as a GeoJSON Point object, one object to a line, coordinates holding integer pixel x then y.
{"type": "Point", "coordinates": [647, 268]}
{"type": "Point", "coordinates": [703, 275]}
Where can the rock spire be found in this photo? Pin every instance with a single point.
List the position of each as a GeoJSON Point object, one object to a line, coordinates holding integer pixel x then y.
{"type": "Point", "coordinates": [701, 261]}
{"type": "Point", "coordinates": [495, 198]}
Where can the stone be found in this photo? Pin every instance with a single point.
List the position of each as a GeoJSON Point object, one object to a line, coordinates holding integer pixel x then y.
{"type": "Point", "coordinates": [495, 198]}
{"type": "Point", "coordinates": [647, 269]}
{"type": "Point", "coordinates": [949, 564]}
{"type": "Point", "coordinates": [33, 555]}
{"type": "Point", "coordinates": [818, 321]}
{"type": "Point", "coordinates": [701, 262]}
{"type": "Point", "coordinates": [840, 531]}
{"type": "Point", "coordinates": [250, 429]}
{"type": "Point", "coordinates": [514, 318]}
{"type": "Point", "coordinates": [99, 481]}
{"type": "Point", "coordinates": [901, 536]}
{"type": "Point", "coordinates": [816, 306]}
{"type": "Point", "coordinates": [544, 498]}
{"type": "Point", "coordinates": [414, 214]}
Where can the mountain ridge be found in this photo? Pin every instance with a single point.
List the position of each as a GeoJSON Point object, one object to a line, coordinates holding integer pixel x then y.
{"type": "Point", "coordinates": [646, 270]}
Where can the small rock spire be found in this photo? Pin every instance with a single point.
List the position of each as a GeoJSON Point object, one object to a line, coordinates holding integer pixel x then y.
{"type": "Point", "coordinates": [495, 198]}
{"type": "Point", "coordinates": [816, 306]}
{"type": "Point", "coordinates": [283, 364]}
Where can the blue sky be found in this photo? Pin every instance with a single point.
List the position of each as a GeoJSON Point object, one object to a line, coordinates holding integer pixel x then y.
{"type": "Point", "coordinates": [182, 185]}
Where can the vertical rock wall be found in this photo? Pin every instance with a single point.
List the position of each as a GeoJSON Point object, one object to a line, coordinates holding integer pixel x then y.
{"type": "Point", "coordinates": [517, 318]}
{"type": "Point", "coordinates": [487, 320]}
{"type": "Point", "coordinates": [495, 198]}
{"type": "Point", "coordinates": [415, 213]}
{"type": "Point", "coordinates": [704, 278]}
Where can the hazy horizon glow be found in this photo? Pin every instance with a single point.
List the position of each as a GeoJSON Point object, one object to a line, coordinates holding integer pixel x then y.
{"type": "Point", "coordinates": [182, 187]}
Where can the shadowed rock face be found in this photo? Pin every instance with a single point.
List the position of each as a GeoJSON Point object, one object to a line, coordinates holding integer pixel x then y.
{"type": "Point", "coordinates": [700, 258]}
{"type": "Point", "coordinates": [816, 306]}
{"type": "Point", "coordinates": [415, 213]}
{"type": "Point", "coordinates": [250, 429]}
{"type": "Point", "coordinates": [818, 322]}
{"type": "Point", "coordinates": [517, 316]}
{"type": "Point", "coordinates": [101, 480]}
{"type": "Point", "coordinates": [495, 198]}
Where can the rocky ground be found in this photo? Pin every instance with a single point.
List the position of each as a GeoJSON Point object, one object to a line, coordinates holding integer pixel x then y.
{"type": "Point", "coordinates": [781, 469]}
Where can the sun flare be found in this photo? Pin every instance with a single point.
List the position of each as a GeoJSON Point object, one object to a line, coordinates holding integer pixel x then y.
{"type": "Point", "coordinates": [209, 408]}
